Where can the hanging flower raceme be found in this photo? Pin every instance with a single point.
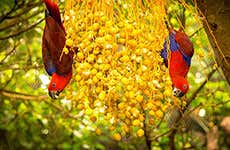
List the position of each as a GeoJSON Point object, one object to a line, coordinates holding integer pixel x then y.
{"type": "Point", "coordinates": [118, 70]}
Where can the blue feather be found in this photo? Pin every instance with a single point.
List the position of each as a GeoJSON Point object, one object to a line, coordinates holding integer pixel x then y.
{"type": "Point", "coordinates": [186, 58]}
{"type": "Point", "coordinates": [51, 68]}
{"type": "Point", "coordinates": [173, 44]}
{"type": "Point", "coordinates": [164, 53]}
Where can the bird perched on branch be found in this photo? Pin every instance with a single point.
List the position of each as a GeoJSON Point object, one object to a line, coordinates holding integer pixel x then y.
{"type": "Point", "coordinates": [57, 64]}
{"type": "Point", "coordinates": [178, 59]}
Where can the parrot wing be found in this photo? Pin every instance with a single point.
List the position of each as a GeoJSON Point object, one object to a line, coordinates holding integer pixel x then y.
{"type": "Point", "coordinates": [173, 47]}
{"type": "Point", "coordinates": [54, 41]}
{"type": "Point", "coordinates": [46, 56]}
{"type": "Point", "coordinates": [185, 46]}
{"type": "Point", "coordinates": [185, 43]}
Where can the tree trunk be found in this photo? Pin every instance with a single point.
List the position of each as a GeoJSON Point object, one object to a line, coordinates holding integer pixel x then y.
{"type": "Point", "coordinates": [216, 24]}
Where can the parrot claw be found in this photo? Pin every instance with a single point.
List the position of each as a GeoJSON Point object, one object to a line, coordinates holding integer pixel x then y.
{"type": "Point", "coordinates": [177, 92]}
{"type": "Point", "coordinates": [54, 94]}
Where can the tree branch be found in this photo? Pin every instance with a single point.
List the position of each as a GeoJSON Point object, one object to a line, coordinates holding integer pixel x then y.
{"type": "Point", "coordinates": [12, 67]}
{"type": "Point", "coordinates": [27, 7]}
{"type": "Point", "coordinates": [16, 21]}
{"type": "Point", "coordinates": [194, 33]}
{"type": "Point", "coordinates": [146, 128]}
{"type": "Point", "coordinates": [22, 96]}
{"type": "Point", "coordinates": [8, 81]}
{"type": "Point", "coordinates": [10, 52]}
{"type": "Point", "coordinates": [22, 31]}
{"type": "Point", "coordinates": [194, 95]}
{"type": "Point", "coordinates": [2, 18]}
{"type": "Point", "coordinates": [16, 95]}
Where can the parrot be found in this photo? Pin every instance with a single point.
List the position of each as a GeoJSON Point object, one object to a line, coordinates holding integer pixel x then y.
{"type": "Point", "coordinates": [178, 60]}
{"type": "Point", "coordinates": [56, 64]}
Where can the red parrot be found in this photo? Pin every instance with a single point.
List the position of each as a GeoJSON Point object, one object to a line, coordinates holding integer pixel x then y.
{"type": "Point", "coordinates": [53, 41]}
{"type": "Point", "coordinates": [181, 52]}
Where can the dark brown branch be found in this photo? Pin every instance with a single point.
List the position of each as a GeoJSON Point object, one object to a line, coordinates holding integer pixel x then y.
{"type": "Point", "coordinates": [146, 128]}
{"type": "Point", "coordinates": [22, 31]}
{"type": "Point", "coordinates": [19, 6]}
{"type": "Point", "coordinates": [194, 95]}
{"type": "Point", "coordinates": [9, 12]}
{"type": "Point", "coordinates": [17, 21]}
{"type": "Point", "coordinates": [27, 7]}
{"type": "Point", "coordinates": [194, 33]}
{"type": "Point", "coordinates": [171, 140]}
{"type": "Point", "coordinates": [161, 135]}
{"type": "Point", "coordinates": [182, 17]}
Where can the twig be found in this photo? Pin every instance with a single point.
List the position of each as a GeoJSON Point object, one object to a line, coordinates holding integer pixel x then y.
{"type": "Point", "coordinates": [194, 33]}
{"type": "Point", "coordinates": [146, 128]}
{"type": "Point", "coordinates": [8, 81]}
{"type": "Point", "coordinates": [194, 95]}
{"type": "Point", "coordinates": [16, 95]}
{"type": "Point", "coordinates": [193, 109]}
{"type": "Point", "coordinates": [17, 21]}
{"type": "Point", "coordinates": [8, 13]}
{"type": "Point", "coordinates": [160, 135]}
{"type": "Point", "coordinates": [22, 31]}
{"type": "Point", "coordinates": [11, 51]}
{"type": "Point", "coordinates": [12, 67]}
{"type": "Point", "coordinates": [220, 103]}
{"type": "Point", "coordinates": [27, 7]}
{"type": "Point", "coordinates": [22, 96]}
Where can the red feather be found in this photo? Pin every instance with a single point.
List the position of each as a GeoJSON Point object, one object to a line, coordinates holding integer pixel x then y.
{"type": "Point", "coordinates": [178, 66]}
{"type": "Point", "coordinates": [56, 64]}
{"type": "Point", "coordinates": [54, 11]}
{"type": "Point", "coordinates": [186, 45]}
{"type": "Point", "coordinates": [179, 63]}
{"type": "Point", "coordinates": [54, 42]}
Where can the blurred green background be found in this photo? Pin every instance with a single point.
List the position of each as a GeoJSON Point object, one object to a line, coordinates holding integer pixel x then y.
{"type": "Point", "coordinates": [31, 120]}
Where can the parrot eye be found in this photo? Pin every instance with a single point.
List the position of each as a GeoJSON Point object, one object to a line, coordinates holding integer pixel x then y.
{"type": "Point", "coordinates": [53, 84]}
{"type": "Point", "coordinates": [185, 86]}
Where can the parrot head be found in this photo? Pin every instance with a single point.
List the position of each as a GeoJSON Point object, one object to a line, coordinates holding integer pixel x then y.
{"type": "Point", "coordinates": [180, 86]}
{"type": "Point", "coordinates": [58, 83]}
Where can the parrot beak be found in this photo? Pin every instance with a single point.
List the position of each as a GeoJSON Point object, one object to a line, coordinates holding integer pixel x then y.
{"type": "Point", "coordinates": [54, 94]}
{"type": "Point", "coordinates": [177, 92]}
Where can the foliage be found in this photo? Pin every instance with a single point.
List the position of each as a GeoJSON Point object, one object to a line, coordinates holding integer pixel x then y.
{"type": "Point", "coordinates": [132, 82]}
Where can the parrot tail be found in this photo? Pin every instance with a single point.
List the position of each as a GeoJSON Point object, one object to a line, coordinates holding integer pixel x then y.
{"type": "Point", "coordinates": [53, 11]}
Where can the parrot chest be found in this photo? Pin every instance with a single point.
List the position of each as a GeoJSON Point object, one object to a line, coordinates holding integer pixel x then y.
{"type": "Point", "coordinates": [178, 66]}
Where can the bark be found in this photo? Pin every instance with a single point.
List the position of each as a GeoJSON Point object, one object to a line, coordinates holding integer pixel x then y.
{"type": "Point", "coordinates": [212, 139]}
{"type": "Point", "coordinates": [216, 24]}
{"type": "Point", "coordinates": [225, 124]}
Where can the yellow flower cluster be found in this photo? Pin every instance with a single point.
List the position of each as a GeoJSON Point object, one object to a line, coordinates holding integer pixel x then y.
{"type": "Point", "coordinates": [118, 69]}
